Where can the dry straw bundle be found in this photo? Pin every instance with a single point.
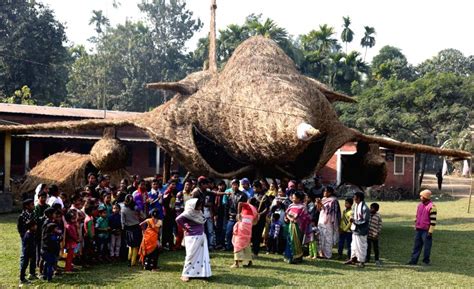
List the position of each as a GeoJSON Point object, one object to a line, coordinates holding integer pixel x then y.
{"type": "Point", "coordinates": [67, 170]}
{"type": "Point", "coordinates": [109, 154]}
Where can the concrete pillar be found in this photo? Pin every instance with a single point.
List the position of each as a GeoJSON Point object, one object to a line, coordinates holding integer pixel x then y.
{"type": "Point", "coordinates": [158, 156]}
{"type": "Point", "coordinates": [338, 167]}
{"type": "Point", "coordinates": [27, 156]}
{"type": "Point", "coordinates": [8, 160]}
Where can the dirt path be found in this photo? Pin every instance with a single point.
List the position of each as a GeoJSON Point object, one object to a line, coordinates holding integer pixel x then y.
{"type": "Point", "coordinates": [455, 186]}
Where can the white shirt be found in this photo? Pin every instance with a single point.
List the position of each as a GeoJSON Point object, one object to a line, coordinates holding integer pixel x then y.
{"type": "Point", "coordinates": [55, 200]}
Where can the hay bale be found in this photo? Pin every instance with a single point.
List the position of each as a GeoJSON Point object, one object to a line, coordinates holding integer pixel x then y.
{"type": "Point", "coordinates": [109, 154]}
{"type": "Point", "coordinates": [116, 176]}
{"type": "Point", "coordinates": [67, 170]}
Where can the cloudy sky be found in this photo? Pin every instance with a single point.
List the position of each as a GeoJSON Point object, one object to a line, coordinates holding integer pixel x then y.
{"type": "Point", "coordinates": [421, 28]}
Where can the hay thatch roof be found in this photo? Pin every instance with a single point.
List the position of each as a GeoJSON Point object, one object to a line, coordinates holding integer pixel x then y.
{"type": "Point", "coordinates": [67, 170]}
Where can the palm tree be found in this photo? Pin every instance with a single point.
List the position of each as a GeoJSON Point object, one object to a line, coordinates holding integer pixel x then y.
{"type": "Point", "coordinates": [99, 20]}
{"type": "Point", "coordinates": [368, 41]}
{"type": "Point", "coordinates": [230, 38]}
{"type": "Point", "coordinates": [347, 34]}
{"type": "Point", "coordinates": [267, 29]}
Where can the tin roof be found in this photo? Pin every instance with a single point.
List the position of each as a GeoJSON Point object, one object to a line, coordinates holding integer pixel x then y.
{"type": "Point", "coordinates": [63, 111]}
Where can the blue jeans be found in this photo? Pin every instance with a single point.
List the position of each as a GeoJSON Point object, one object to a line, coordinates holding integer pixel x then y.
{"type": "Point", "coordinates": [345, 238]}
{"type": "Point", "coordinates": [211, 237]}
{"type": "Point", "coordinates": [27, 258]}
{"type": "Point", "coordinates": [49, 262]}
{"type": "Point", "coordinates": [421, 239]}
{"type": "Point", "coordinates": [228, 235]}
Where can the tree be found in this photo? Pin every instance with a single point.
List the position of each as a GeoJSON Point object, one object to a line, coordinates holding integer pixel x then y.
{"type": "Point", "coordinates": [448, 60]}
{"type": "Point", "coordinates": [32, 52]}
{"type": "Point", "coordinates": [20, 96]}
{"type": "Point", "coordinates": [99, 20]}
{"type": "Point", "coordinates": [368, 41]}
{"type": "Point", "coordinates": [391, 62]}
{"type": "Point", "coordinates": [429, 110]}
{"type": "Point", "coordinates": [347, 34]}
{"type": "Point", "coordinates": [132, 54]}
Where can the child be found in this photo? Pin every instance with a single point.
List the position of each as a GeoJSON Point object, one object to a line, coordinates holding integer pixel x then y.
{"type": "Point", "coordinates": [312, 211]}
{"type": "Point", "coordinates": [149, 247]}
{"type": "Point", "coordinates": [197, 261]}
{"type": "Point", "coordinates": [39, 216]}
{"type": "Point", "coordinates": [375, 226]}
{"type": "Point", "coordinates": [107, 203]}
{"type": "Point", "coordinates": [131, 226]}
{"type": "Point", "coordinates": [89, 232]}
{"type": "Point", "coordinates": [50, 248]}
{"type": "Point", "coordinates": [102, 228]}
{"type": "Point", "coordinates": [345, 233]}
{"type": "Point", "coordinates": [274, 234]}
{"type": "Point", "coordinates": [115, 225]}
{"type": "Point", "coordinates": [242, 232]}
{"type": "Point", "coordinates": [72, 238]}
{"type": "Point", "coordinates": [28, 251]}
{"type": "Point", "coordinates": [26, 216]}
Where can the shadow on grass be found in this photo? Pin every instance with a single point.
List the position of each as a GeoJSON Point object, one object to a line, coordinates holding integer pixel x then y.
{"type": "Point", "coordinates": [250, 281]}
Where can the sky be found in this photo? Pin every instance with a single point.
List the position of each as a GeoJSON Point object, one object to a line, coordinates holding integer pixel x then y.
{"type": "Point", "coordinates": [420, 28]}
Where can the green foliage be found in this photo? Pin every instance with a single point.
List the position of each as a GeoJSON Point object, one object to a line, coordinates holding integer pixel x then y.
{"type": "Point", "coordinates": [391, 62]}
{"type": "Point", "coordinates": [32, 51]}
{"type": "Point", "coordinates": [448, 60]}
{"type": "Point", "coordinates": [20, 96]}
{"type": "Point", "coordinates": [132, 54]}
{"type": "Point", "coordinates": [368, 41]}
{"type": "Point", "coordinates": [347, 34]}
{"type": "Point", "coordinates": [427, 110]}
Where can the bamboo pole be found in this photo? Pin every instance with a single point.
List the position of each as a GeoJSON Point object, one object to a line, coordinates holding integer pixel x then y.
{"type": "Point", "coordinates": [212, 39]}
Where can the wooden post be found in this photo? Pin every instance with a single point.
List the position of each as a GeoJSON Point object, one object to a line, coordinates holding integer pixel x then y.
{"type": "Point", "coordinates": [8, 160]}
{"type": "Point", "coordinates": [158, 156]}
{"type": "Point", "coordinates": [470, 197]}
{"type": "Point", "coordinates": [212, 39]}
{"type": "Point", "coordinates": [167, 168]}
{"type": "Point", "coordinates": [27, 156]}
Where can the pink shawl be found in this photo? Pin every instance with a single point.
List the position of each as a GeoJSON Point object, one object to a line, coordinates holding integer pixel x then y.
{"type": "Point", "coordinates": [303, 219]}
{"type": "Point", "coordinates": [242, 233]}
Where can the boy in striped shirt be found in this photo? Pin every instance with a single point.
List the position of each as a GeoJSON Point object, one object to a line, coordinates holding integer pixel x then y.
{"type": "Point", "coordinates": [424, 225]}
{"type": "Point", "coordinates": [375, 226]}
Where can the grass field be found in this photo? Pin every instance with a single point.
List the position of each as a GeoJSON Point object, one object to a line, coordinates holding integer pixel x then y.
{"type": "Point", "coordinates": [452, 260]}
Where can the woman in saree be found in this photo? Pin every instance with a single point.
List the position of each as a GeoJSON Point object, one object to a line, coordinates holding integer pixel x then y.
{"type": "Point", "coordinates": [328, 223]}
{"type": "Point", "coordinates": [197, 262]}
{"type": "Point", "coordinates": [299, 228]}
{"type": "Point", "coordinates": [242, 232]}
{"type": "Point", "coordinates": [149, 247]}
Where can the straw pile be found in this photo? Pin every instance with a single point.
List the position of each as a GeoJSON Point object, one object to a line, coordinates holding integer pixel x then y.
{"type": "Point", "coordinates": [109, 154]}
{"type": "Point", "coordinates": [67, 170]}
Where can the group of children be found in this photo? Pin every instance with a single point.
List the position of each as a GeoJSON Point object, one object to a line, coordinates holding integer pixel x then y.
{"type": "Point", "coordinates": [100, 223]}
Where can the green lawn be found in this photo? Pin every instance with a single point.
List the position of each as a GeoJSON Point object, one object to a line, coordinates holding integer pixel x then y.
{"type": "Point", "coordinates": [452, 258]}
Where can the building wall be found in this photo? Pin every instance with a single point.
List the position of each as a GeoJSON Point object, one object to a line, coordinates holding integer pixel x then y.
{"type": "Point", "coordinates": [328, 174]}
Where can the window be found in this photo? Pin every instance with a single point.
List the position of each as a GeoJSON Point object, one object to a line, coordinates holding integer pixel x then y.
{"type": "Point", "coordinates": [399, 165]}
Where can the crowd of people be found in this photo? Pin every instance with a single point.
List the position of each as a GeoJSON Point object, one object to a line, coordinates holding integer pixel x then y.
{"type": "Point", "coordinates": [136, 221]}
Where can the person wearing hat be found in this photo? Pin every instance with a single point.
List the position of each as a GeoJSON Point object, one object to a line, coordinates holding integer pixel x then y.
{"type": "Point", "coordinates": [424, 225]}
{"type": "Point", "coordinates": [25, 216]}
{"type": "Point", "coordinates": [245, 187]}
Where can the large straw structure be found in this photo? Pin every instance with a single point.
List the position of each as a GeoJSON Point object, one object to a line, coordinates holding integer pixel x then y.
{"type": "Point", "coordinates": [67, 170]}
{"type": "Point", "coordinates": [244, 120]}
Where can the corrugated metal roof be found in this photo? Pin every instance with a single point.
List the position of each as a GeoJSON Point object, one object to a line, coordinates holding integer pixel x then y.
{"type": "Point", "coordinates": [63, 111]}
{"type": "Point", "coordinates": [84, 137]}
